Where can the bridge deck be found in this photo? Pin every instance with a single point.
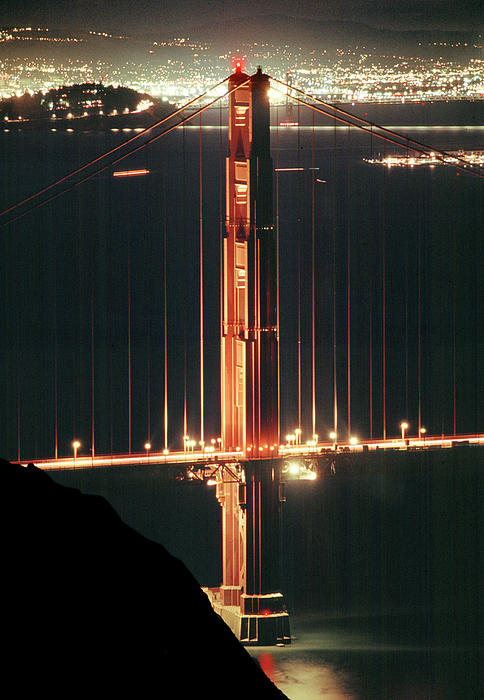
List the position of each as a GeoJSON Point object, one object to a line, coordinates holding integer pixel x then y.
{"type": "Point", "coordinates": [210, 456]}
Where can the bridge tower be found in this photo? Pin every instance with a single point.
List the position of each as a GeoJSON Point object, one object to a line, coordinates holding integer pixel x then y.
{"type": "Point", "coordinates": [249, 366]}
{"type": "Point", "coordinates": [250, 492]}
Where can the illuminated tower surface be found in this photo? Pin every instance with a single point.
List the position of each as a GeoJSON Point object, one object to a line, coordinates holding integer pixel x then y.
{"type": "Point", "coordinates": [249, 598]}
{"type": "Point", "coordinates": [249, 368]}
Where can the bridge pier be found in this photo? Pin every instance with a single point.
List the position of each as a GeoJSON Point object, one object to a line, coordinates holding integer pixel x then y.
{"type": "Point", "coordinates": [249, 599]}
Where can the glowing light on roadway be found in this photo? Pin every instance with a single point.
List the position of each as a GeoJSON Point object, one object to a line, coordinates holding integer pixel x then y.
{"type": "Point", "coordinates": [190, 456]}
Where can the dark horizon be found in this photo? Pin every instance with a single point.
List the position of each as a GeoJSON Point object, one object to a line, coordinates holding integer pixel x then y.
{"type": "Point", "coordinates": [148, 15]}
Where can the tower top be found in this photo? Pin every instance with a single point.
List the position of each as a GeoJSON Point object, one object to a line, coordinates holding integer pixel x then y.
{"type": "Point", "coordinates": [238, 76]}
{"type": "Point", "coordinates": [259, 75]}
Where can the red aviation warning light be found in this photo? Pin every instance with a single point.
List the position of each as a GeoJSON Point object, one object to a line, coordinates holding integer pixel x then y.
{"type": "Point", "coordinates": [238, 65]}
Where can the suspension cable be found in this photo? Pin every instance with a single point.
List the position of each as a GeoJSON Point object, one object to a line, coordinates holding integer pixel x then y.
{"type": "Point", "coordinates": [189, 117]}
{"type": "Point", "coordinates": [113, 150]}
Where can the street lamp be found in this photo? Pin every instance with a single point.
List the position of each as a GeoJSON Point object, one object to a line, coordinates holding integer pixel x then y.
{"type": "Point", "coordinates": [422, 433]}
{"type": "Point", "coordinates": [186, 439]}
{"type": "Point", "coordinates": [404, 427]}
{"type": "Point", "coordinates": [76, 445]}
{"type": "Point", "coordinates": [333, 436]}
{"type": "Point", "coordinates": [147, 448]}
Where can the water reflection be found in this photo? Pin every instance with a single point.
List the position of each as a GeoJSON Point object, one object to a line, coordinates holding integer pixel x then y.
{"type": "Point", "coordinates": [304, 675]}
{"type": "Point", "coordinates": [335, 660]}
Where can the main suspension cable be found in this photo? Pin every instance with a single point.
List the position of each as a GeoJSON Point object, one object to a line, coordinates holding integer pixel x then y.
{"type": "Point", "coordinates": [113, 150]}
{"type": "Point", "coordinates": [189, 117]}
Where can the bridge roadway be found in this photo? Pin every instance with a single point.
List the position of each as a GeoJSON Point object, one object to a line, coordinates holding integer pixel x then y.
{"type": "Point", "coordinates": [211, 456]}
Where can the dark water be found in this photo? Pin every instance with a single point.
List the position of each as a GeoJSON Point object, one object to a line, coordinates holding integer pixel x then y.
{"type": "Point", "coordinates": [334, 660]}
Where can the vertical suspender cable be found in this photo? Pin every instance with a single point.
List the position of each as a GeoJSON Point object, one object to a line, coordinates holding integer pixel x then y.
{"type": "Point", "coordinates": [454, 345]}
{"type": "Point", "coordinates": [298, 276]}
{"type": "Point", "coordinates": [201, 289]}
{"type": "Point", "coordinates": [110, 343]}
{"type": "Point", "coordinates": [335, 382]}
{"type": "Point", "coordinates": [384, 310]}
{"type": "Point", "coordinates": [165, 334]}
{"type": "Point", "coordinates": [370, 338]}
{"type": "Point", "coordinates": [313, 311]}
{"type": "Point", "coordinates": [406, 308]}
{"type": "Point", "coordinates": [348, 282]}
{"type": "Point", "coordinates": [18, 391]}
{"type": "Point", "coordinates": [56, 377]}
{"type": "Point", "coordinates": [221, 245]}
{"type": "Point", "coordinates": [129, 337]}
{"type": "Point", "coordinates": [147, 257]}
{"type": "Point", "coordinates": [148, 381]}
{"type": "Point", "coordinates": [277, 284]}
{"type": "Point", "coordinates": [254, 366]}
{"type": "Point", "coordinates": [419, 326]}
{"type": "Point", "coordinates": [370, 353]}
{"type": "Point", "coordinates": [185, 281]}
{"type": "Point", "coordinates": [76, 369]}
{"type": "Point", "coordinates": [258, 334]}
{"type": "Point", "coordinates": [92, 360]}
{"type": "Point", "coordinates": [93, 394]}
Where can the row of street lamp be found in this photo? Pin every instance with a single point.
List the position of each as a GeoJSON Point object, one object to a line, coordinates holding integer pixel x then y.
{"type": "Point", "coordinates": [295, 438]}
{"type": "Point", "coordinates": [189, 445]}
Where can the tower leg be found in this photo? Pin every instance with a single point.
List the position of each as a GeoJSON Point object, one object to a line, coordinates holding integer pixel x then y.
{"type": "Point", "coordinates": [250, 600]}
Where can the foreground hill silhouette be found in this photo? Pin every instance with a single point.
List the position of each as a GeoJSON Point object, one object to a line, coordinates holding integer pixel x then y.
{"type": "Point", "coordinates": [92, 606]}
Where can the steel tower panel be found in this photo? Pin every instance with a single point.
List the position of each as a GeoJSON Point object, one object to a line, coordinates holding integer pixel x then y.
{"type": "Point", "coordinates": [249, 381]}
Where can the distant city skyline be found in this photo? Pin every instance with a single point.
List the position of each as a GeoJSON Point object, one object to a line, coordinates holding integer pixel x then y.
{"type": "Point", "coordinates": [168, 15]}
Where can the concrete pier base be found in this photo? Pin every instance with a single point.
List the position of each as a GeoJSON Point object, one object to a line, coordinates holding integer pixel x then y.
{"type": "Point", "coordinates": [268, 625]}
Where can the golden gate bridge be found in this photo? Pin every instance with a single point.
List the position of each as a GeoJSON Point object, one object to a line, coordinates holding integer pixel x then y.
{"type": "Point", "coordinates": [251, 458]}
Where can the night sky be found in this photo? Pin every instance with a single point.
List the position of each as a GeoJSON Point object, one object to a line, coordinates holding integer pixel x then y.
{"type": "Point", "coordinates": [183, 16]}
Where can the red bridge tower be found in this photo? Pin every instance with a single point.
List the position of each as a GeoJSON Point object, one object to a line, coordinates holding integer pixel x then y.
{"type": "Point", "coordinates": [250, 492]}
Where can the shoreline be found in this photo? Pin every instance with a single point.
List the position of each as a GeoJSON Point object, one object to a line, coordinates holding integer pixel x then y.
{"type": "Point", "coordinates": [459, 113]}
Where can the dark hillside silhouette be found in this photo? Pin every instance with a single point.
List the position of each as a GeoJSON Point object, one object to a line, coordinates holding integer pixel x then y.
{"type": "Point", "coordinates": [92, 606]}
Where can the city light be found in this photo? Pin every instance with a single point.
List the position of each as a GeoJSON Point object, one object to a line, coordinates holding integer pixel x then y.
{"type": "Point", "coordinates": [404, 427]}
{"type": "Point", "coordinates": [333, 437]}
{"type": "Point", "coordinates": [345, 74]}
{"type": "Point", "coordinates": [76, 445]}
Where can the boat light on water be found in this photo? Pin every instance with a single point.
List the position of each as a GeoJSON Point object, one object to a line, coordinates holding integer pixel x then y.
{"type": "Point", "coordinates": [451, 158]}
{"type": "Point", "coordinates": [129, 173]}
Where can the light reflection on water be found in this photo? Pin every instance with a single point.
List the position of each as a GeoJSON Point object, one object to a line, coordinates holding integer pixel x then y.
{"type": "Point", "coordinates": [303, 676]}
{"type": "Point", "coordinates": [332, 660]}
